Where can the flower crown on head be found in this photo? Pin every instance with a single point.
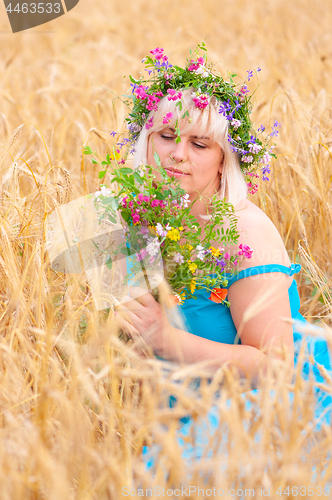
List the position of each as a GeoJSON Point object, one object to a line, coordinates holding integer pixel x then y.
{"type": "Point", "coordinates": [165, 80]}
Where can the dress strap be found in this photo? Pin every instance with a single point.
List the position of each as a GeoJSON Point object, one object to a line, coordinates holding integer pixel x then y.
{"type": "Point", "coordinates": [268, 268]}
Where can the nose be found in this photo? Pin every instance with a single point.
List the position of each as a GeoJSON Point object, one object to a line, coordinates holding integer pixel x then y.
{"type": "Point", "coordinates": [179, 151]}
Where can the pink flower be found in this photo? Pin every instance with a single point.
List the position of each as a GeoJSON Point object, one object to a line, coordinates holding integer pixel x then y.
{"type": "Point", "coordinates": [173, 95]}
{"type": "Point", "coordinates": [141, 254]}
{"type": "Point", "coordinates": [195, 64]}
{"type": "Point", "coordinates": [124, 202]}
{"type": "Point", "coordinates": [245, 250]}
{"type": "Point", "coordinates": [201, 101]}
{"type": "Point", "coordinates": [140, 92]}
{"type": "Point", "coordinates": [227, 256]}
{"type": "Point", "coordinates": [149, 123]}
{"type": "Point", "coordinates": [158, 53]}
{"type": "Point", "coordinates": [167, 118]}
{"type": "Point", "coordinates": [152, 102]}
{"type": "Point", "coordinates": [253, 188]}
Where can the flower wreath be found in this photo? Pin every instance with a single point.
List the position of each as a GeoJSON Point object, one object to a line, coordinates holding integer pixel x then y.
{"type": "Point", "coordinates": [253, 149]}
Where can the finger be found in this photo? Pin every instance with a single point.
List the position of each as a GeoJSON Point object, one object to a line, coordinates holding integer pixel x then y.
{"type": "Point", "coordinates": [132, 317]}
{"type": "Point", "coordinates": [135, 306]}
{"type": "Point", "coordinates": [126, 326]}
{"type": "Point", "coordinates": [141, 295]}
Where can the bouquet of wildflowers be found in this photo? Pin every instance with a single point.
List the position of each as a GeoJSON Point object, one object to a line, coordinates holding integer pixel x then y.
{"type": "Point", "coordinates": [157, 221]}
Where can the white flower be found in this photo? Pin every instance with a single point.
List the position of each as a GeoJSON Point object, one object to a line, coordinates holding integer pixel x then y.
{"type": "Point", "coordinates": [266, 158]}
{"type": "Point", "coordinates": [236, 124]}
{"type": "Point", "coordinates": [153, 247]}
{"type": "Point", "coordinates": [184, 202]}
{"type": "Point", "coordinates": [201, 70]}
{"type": "Point", "coordinates": [201, 252]}
{"type": "Point", "coordinates": [178, 258]}
{"type": "Point", "coordinates": [161, 231]}
{"type": "Point", "coordinates": [140, 169]}
{"type": "Point", "coordinates": [254, 148]}
{"type": "Point", "coordinates": [247, 159]}
{"type": "Point", "coordinates": [104, 191]}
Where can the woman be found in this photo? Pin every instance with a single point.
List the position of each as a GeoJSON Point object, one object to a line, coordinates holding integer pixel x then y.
{"type": "Point", "coordinates": [263, 296]}
{"type": "Point", "coordinates": [207, 165]}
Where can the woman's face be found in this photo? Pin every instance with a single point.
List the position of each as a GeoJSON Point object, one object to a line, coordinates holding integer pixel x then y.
{"type": "Point", "coordinates": [196, 161]}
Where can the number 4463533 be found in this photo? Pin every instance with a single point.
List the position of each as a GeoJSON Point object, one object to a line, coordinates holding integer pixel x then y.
{"type": "Point", "coordinates": [33, 8]}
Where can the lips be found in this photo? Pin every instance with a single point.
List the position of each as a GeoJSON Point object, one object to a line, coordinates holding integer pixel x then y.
{"type": "Point", "coordinates": [175, 171]}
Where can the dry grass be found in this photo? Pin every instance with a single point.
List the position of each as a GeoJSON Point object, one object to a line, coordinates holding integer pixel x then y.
{"type": "Point", "coordinates": [76, 403]}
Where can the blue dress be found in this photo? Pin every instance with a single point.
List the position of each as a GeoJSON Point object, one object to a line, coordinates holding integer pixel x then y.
{"type": "Point", "coordinates": [212, 321]}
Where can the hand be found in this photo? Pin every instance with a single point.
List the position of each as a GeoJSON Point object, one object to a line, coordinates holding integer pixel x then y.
{"type": "Point", "coordinates": [142, 317]}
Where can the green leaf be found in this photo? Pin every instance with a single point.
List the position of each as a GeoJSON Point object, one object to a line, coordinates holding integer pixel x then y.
{"type": "Point", "coordinates": [94, 161]}
{"type": "Point", "coordinates": [125, 216]}
{"type": "Point", "coordinates": [157, 159]}
{"type": "Point", "coordinates": [102, 174]}
{"type": "Point", "coordinates": [109, 263]}
{"type": "Point", "coordinates": [178, 139]}
{"type": "Point", "coordinates": [125, 251]}
{"type": "Point", "coordinates": [87, 150]}
{"type": "Point", "coordinates": [138, 178]}
{"type": "Point", "coordinates": [126, 170]}
{"type": "Point", "coordinates": [131, 179]}
{"type": "Point", "coordinates": [104, 162]}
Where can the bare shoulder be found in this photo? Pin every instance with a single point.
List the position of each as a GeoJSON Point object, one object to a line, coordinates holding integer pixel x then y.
{"type": "Point", "coordinates": [259, 233]}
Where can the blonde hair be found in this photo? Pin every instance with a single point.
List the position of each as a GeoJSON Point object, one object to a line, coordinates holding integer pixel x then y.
{"type": "Point", "coordinates": [212, 123]}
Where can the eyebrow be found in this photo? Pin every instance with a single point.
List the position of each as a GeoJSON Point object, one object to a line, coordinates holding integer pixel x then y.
{"type": "Point", "coordinates": [192, 136]}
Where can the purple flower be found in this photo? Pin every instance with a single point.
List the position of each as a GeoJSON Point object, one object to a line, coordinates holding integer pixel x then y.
{"type": "Point", "coordinates": [225, 107]}
{"type": "Point", "coordinates": [113, 133]}
{"type": "Point", "coordinates": [237, 105]}
{"type": "Point", "coordinates": [165, 65]}
{"type": "Point", "coordinates": [252, 140]}
{"type": "Point", "coordinates": [221, 263]}
{"type": "Point", "coordinates": [259, 69]}
{"type": "Point", "coordinates": [261, 129]}
{"type": "Point", "coordinates": [134, 85]}
{"type": "Point", "coordinates": [250, 75]}
{"type": "Point", "coordinates": [266, 169]}
{"type": "Point", "coordinates": [265, 178]}
{"type": "Point", "coordinates": [275, 130]}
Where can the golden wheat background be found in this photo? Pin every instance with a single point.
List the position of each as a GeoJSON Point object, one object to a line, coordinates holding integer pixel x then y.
{"type": "Point", "coordinates": [76, 403]}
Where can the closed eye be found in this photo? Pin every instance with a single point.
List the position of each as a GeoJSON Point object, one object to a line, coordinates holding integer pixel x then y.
{"type": "Point", "coordinates": [167, 137]}
{"type": "Point", "coordinates": [199, 145]}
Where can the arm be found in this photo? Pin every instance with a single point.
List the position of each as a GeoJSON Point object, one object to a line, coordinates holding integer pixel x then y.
{"type": "Point", "coordinates": [257, 333]}
{"type": "Point", "coordinates": [257, 304]}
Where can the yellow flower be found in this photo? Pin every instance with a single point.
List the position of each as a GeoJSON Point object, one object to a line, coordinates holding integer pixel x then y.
{"type": "Point", "coordinates": [115, 156]}
{"type": "Point", "coordinates": [173, 234]}
{"type": "Point", "coordinates": [192, 266]}
{"type": "Point", "coordinates": [192, 286]}
{"type": "Point", "coordinates": [187, 246]}
{"type": "Point", "coordinates": [215, 251]}
{"type": "Point", "coordinates": [152, 230]}
{"type": "Point", "coordinates": [180, 228]}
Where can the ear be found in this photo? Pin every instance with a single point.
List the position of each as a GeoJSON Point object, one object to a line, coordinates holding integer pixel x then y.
{"type": "Point", "coordinates": [221, 166]}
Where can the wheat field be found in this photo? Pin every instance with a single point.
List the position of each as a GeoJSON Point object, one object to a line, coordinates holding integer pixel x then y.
{"type": "Point", "coordinates": [77, 403]}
